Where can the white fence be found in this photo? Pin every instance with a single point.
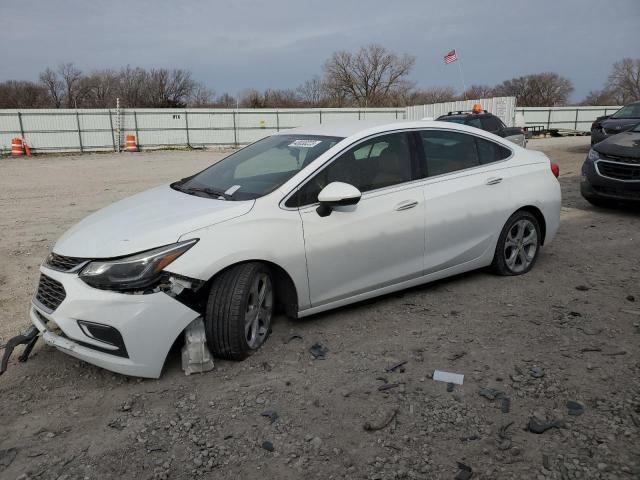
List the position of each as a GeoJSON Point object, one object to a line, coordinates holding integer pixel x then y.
{"type": "Point", "coordinates": [60, 130]}
{"type": "Point", "coordinates": [503, 107]}
{"type": "Point", "coordinates": [564, 118]}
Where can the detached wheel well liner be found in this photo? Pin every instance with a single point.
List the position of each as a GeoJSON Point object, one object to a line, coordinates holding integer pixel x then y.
{"type": "Point", "coordinates": [286, 295]}
{"type": "Point", "coordinates": [536, 212]}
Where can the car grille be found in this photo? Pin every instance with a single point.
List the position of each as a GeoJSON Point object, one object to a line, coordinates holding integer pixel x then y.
{"type": "Point", "coordinates": [62, 263]}
{"type": "Point", "coordinates": [618, 192]}
{"type": "Point", "coordinates": [50, 293]}
{"type": "Point", "coordinates": [619, 171]}
{"type": "Point", "coordinates": [615, 158]}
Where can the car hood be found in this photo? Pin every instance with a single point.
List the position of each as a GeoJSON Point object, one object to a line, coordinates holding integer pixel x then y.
{"type": "Point", "coordinates": [147, 220]}
{"type": "Point", "coordinates": [613, 125]}
{"type": "Point", "coordinates": [626, 144]}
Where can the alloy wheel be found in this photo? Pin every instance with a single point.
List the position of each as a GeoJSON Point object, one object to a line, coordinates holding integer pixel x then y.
{"type": "Point", "coordinates": [520, 245]}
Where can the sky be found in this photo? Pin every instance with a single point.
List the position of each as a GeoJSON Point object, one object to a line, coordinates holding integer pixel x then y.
{"type": "Point", "coordinates": [231, 45]}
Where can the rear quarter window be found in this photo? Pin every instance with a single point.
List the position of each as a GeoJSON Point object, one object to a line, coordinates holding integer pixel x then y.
{"type": "Point", "coordinates": [490, 152]}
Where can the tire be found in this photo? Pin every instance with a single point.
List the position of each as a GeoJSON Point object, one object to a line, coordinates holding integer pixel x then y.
{"type": "Point", "coordinates": [515, 254]}
{"type": "Point", "coordinates": [233, 330]}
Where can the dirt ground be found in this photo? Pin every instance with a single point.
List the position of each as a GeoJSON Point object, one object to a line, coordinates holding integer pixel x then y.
{"type": "Point", "coordinates": [567, 331]}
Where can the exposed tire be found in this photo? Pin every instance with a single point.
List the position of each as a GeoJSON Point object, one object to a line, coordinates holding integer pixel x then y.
{"type": "Point", "coordinates": [518, 245]}
{"type": "Point", "coordinates": [239, 310]}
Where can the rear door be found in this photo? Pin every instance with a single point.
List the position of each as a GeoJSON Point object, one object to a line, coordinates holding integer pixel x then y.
{"type": "Point", "coordinates": [467, 197]}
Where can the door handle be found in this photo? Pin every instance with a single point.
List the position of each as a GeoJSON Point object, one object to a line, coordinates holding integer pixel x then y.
{"type": "Point", "coordinates": [493, 180]}
{"type": "Point", "coordinates": [406, 205]}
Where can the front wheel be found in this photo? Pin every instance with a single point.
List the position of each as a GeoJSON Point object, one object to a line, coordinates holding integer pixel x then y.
{"type": "Point", "coordinates": [518, 245]}
{"type": "Point", "coordinates": [239, 311]}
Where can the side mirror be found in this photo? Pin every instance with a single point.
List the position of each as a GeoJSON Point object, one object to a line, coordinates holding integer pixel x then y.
{"type": "Point", "coordinates": [337, 194]}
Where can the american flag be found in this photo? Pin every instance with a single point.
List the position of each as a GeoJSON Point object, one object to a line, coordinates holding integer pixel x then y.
{"type": "Point", "coordinates": [450, 57]}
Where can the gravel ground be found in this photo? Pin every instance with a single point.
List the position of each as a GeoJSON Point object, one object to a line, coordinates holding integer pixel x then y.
{"type": "Point", "coordinates": [568, 331]}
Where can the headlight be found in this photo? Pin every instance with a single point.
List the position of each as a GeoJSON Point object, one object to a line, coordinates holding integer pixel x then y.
{"type": "Point", "coordinates": [593, 155]}
{"type": "Point", "coordinates": [136, 271]}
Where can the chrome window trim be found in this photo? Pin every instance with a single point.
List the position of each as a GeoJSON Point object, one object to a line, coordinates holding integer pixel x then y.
{"type": "Point", "coordinates": [379, 134]}
{"type": "Point", "coordinates": [595, 164]}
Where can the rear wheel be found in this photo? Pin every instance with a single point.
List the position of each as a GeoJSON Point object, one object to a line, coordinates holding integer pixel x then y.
{"type": "Point", "coordinates": [239, 311]}
{"type": "Point", "coordinates": [518, 245]}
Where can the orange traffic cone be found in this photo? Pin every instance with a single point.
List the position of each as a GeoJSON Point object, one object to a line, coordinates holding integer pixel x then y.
{"type": "Point", "coordinates": [17, 149]}
{"type": "Point", "coordinates": [131, 143]}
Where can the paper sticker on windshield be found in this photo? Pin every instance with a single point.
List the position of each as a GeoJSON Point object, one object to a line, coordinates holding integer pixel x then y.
{"type": "Point", "coordinates": [305, 143]}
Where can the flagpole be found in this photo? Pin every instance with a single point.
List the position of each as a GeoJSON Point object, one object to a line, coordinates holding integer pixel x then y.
{"type": "Point", "coordinates": [464, 87]}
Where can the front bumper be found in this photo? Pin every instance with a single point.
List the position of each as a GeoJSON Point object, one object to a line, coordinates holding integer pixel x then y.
{"type": "Point", "coordinates": [594, 185]}
{"type": "Point", "coordinates": [148, 325]}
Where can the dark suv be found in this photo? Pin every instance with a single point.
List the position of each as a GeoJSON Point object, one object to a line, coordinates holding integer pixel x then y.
{"type": "Point", "coordinates": [489, 122]}
{"type": "Point", "coordinates": [624, 119]}
{"type": "Point", "coordinates": [611, 172]}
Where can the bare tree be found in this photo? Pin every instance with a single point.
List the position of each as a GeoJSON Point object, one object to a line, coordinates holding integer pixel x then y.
{"type": "Point", "coordinates": [71, 77]}
{"type": "Point", "coordinates": [23, 94]}
{"type": "Point", "coordinates": [368, 77]}
{"type": "Point", "coordinates": [313, 92]}
{"type": "Point", "coordinates": [132, 89]}
{"type": "Point", "coordinates": [624, 80]}
{"type": "Point", "coordinates": [430, 95]}
{"type": "Point", "coordinates": [226, 101]}
{"type": "Point", "coordinates": [538, 90]}
{"type": "Point", "coordinates": [601, 97]}
{"type": "Point", "coordinates": [103, 88]}
{"type": "Point", "coordinates": [479, 91]}
{"type": "Point", "coordinates": [49, 79]}
{"type": "Point", "coordinates": [201, 96]}
{"type": "Point", "coordinates": [169, 88]}
{"type": "Point", "coordinates": [251, 98]}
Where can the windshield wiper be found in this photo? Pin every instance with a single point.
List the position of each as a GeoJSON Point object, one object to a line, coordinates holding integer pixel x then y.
{"type": "Point", "coordinates": [208, 191]}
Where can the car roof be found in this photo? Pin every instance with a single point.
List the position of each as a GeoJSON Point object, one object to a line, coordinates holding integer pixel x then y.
{"type": "Point", "coordinates": [363, 128]}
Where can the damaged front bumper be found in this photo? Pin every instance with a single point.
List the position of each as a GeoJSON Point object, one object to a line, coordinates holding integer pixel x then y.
{"type": "Point", "coordinates": [125, 333]}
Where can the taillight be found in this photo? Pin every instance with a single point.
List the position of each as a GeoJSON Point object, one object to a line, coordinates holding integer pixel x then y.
{"type": "Point", "coordinates": [555, 169]}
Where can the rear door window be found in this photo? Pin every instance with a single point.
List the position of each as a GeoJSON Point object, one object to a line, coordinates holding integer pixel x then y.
{"type": "Point", "coordinates": [448, 152]}
{"type": "Point", "coordinates": [490, 152]}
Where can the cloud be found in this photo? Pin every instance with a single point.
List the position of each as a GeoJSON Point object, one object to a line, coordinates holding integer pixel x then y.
{"type": "Point", "coordinates": [231, 45]}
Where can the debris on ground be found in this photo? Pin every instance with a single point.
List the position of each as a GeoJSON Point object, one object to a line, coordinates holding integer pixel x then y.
{"type": "Point", "coordinates": [388, 386]}
{"type": "Point", "coordinates": [268, 446]}
{"type": "Point", "coordinates": [370, 427]}
{"type": "Point", "coordinates": [465, 472]}
{"type": "Point", "coordinates": [583, 288]}
{"type": "Point", "coordinates": [456, 355]}
{"type": "Point", "coordinates": [293, 336]}
{"type": "Point", "coordinates": [450, 387]}
{"type": "Point", "coordinates": [536, 372]}
{"type": "Point", "coordinates": [574, 408]}
{"type": "Point", "coordinates": [399, 365]}
{"type": "Point", "coordinates": [196, 357]}
{"type": "Point", "coordinates": [7, 456]}
{"type": "Point", "coordinates": [490, 393]}
{"type": "Point", "coordinates": [272, 415]}
{"type": "Point", "coordinates": [318, 351]}
{"type": "Point", "coordinates": [538, 425]}
{"type": "Point", "coordinates": [448, 377]}
{"type": "Point", "coordinates": [505, 406]}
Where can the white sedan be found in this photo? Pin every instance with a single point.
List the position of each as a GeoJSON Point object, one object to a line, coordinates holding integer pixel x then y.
{"type": "Point", "coordinates": [302, 221]}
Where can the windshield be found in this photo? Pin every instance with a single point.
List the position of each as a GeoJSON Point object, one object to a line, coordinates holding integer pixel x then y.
{"type": "Point", "coordinates": [259, 168]}
{"type": "Point", "coordinates": [628, 111]}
